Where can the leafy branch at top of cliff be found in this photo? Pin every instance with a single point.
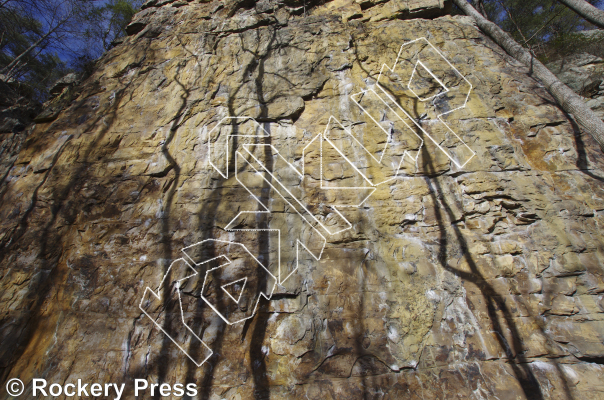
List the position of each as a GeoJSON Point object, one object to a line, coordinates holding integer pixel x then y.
{"type": "Point", "coordinates": [566, 97]}
{"type": "Point", "coordinates": [41, 40]}
{"type": "Point", "coordinates": [548, 28]}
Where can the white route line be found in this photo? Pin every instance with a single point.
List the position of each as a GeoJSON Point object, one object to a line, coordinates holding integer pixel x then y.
{"type": "Point", "coordinates": [266, 296]}
{"type": "Point", "coordinates": [333, 119]}
{"type": "Point", "coordinates": [226, 175]}
{"type": "Point", "coordinates": [433, 76]}
{"type": "Point", "coordinates": [298, 242]}
{"type": "Point", "coordinates": [236, 300]}
{"type": "Point", "coordinates": [157, 295]}
{"type": "Point", "coordinates": [298, 205]}
{"type": "Point", "coordinates": [389, 133]}
{"type": "Point", "coordinates": [439, 116]}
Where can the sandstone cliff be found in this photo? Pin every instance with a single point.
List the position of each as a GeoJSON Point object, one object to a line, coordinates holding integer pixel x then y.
{"type": "Point", "coordinates": [477, 272]}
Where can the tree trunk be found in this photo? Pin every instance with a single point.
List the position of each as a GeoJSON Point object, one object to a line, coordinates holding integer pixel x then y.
{"type": "Point", "coordinates": [568, 99]}
{"type": "Point", "coordinates": [586, 10]}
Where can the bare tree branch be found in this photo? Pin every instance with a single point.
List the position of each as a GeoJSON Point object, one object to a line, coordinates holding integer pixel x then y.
{"type": "Point", "coordinates": [516, 25]}
{"type": "Point", "coordinates": [544, 25]}
{"type": "Point", "coordinates": [37, 43]}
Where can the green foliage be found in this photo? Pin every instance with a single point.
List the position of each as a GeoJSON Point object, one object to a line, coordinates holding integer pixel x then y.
{"type": "Point", "coordinates": [572, 43]}
{"type": "Point", "coordinates": [547, 27]}
{"type": "Point", "coordinates": [38, 69]}
{"type": "Point", "coordinates": [67, 36]}
{"type": "Point", "coordinates": [108, 22]}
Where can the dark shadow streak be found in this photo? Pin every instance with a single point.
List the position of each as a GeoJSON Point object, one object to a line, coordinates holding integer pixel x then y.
{"type": "Point", "coordinates": [165, 229]}
{"type": "Point", "coordinates": [50, 247]}
{"type": "Point", "coordinates": [494, 301]}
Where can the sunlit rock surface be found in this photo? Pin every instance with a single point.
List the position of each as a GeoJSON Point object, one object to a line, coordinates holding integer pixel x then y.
{"type": "Point", "coordinates": [485, 281]}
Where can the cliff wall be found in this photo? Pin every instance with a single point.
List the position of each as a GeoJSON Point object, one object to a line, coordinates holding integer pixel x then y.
{"type": "Point", "coordinates": [473, 269]}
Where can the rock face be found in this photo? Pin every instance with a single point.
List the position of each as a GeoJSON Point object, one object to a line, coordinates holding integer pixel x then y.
{"type": "Point", "coordinates": [476, 272]}
{"type": "Point", "coordinates": [584, 73]}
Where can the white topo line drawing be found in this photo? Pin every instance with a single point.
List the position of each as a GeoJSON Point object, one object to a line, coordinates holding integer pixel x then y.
{"type": "Point", "coordinates": [232, 279]}
{"type": "Point", "coordinates": [457, 97]}
{"type": "Point", "coordinates": [153, 301]}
